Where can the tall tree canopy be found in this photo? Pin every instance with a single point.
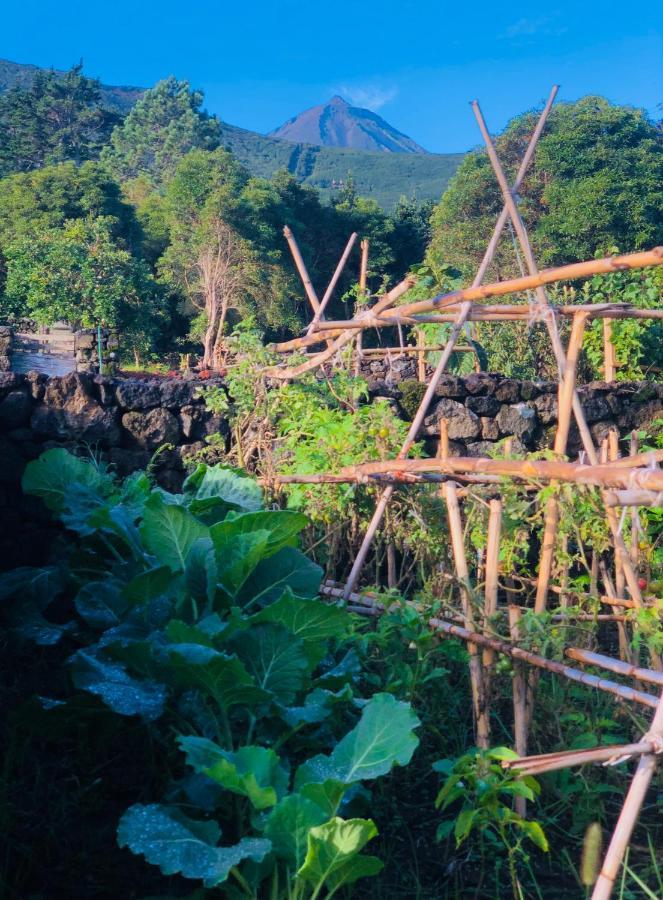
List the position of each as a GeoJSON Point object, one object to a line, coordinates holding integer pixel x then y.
{"type": "Point", "coordinates": [77, 273]}
{"type": "Point", "coordinates": [162, 127]}
{"type": "Point", "coordinates": [33, 201]}
{"type": "Point", "coordinates": [596, 183]}
{"type": "Point", "coordinates": [58, 118]}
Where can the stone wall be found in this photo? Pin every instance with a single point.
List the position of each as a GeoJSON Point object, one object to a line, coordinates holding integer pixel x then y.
{"type": "Point", "coordinates": [124, 421]}
{"type": "Point", "coordinates": [6, 340]}
{"type": "Point", "coordinates": [482, 409]}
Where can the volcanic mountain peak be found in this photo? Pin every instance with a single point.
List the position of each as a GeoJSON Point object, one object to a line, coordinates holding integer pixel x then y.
{"type": "Point", "coordinates": [338, 124]}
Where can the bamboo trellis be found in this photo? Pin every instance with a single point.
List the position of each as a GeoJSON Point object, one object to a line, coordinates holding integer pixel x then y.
{"type": "Point", "coordinates": [631, 482]}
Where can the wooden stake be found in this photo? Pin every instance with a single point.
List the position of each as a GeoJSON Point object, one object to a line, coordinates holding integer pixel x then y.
{"type": "Point", "coordinates": [565, 406]}
{"type": "Point", "coordinates": [608, 351]}
{"type": "Point", "coordinates": [332, 284]}
{"type": "Point", "coordinates": [520, 716]}
{"type": "Point", "coordinates": [476, 674]}
{"type": "Point", "coordinates": [421, 356]}
{"type": "Point", "coordinates": [630, 810]}
{"type": "Point", "coordinates": [363, 267]}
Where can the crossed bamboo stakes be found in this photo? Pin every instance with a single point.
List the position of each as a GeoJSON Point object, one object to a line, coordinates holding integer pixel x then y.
{"type": "Point", "coordinates": [628, 482]}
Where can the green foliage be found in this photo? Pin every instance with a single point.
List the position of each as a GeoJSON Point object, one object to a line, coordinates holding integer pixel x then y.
{"type": "Point", "coordinates": [197, 612]}
{"type": "Point", "coordinates": [79, 274]}
{"type": "Point", "coordinates": [593, 161]}
{"type": "Point", "coordinates": [638, 343]}
{"type": "Point", "coordinates": [163, 126]}
{"type": "Point", "coordinates": [480, 793]}
{"type": "Point", "coordinates": [58, 117]}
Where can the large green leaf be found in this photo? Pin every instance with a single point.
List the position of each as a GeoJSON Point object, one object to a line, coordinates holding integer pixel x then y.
{"type": "Point", "coordinates": [120, 691]}
{"type": "Point", "coordinates": [169, 532]}
{"type": "Point", "coordinates": [223, 678]}
{"type": "Point", "coordinates": [283, 526]}
{"type": "Point", "coordinates": [237, 556]}
{"type": "Point", "coordinates": [275, 658]}
{"type": "Point", "coordinates": [102, 604]}
{"type": "Point", "coordinates": [289, 568]}
{"type": "Point", "coordinates": [31, 591]}
{"type": "Point", "coordinates": [288, 826]}
{"type": "Point", "coordinates": [309, 620]}
{"type": "Point", "coordinates": [252, 772]}
{"type": "Point", "coordinates": [183, 846]}
{"type": "Point", "coordinates": [148, 585]}
{"type": "Point", "coordinates": [200, 572]}
{"type": "Point", "coordinates": [382, 738]}
{"type": "Point", "coordinates": [332, 855]}
{"type": "Point", "coordinates": [218, 485]}
{"type": "Point", "coordinates": [327, 795]}
{"type": "Point", "coordinates": [52, 476]}
{"type": "Point", "coordinates": [317, 706]}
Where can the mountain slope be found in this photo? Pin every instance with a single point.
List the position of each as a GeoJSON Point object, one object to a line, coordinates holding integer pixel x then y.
{"type": "Point", "coordinates": [119, 99]}
{"type": "Point", "coordinates": [382, 176]}
{"type": "Point", "coordinates": [337, 124]}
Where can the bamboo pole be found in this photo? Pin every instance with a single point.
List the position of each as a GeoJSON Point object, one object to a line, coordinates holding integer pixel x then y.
{"type": "Point", "coordinates": [421, 358]}
{"type": "Point", "coordinates": [608, 351]}
{"type": "Point", "coordinates": [520, 714]}
{"type": "Point", "coordinates": [563, 759]}
{"type": "Point", "coordinates": [294, 372]}
{"type": "Point", "coordinates": [608, 476]}
{"type": "Point", "coordinates": [301, 268]}
{"type": "Point", "coordinates": [627, 818]}
{"type": "Point", "coordinates": [483, 313]}
{"type": "Point", "coordinates": [628, 670]}
{"type": "Point", "coordinates": [332, 284]}
{"type": "Point", "coordinates": [653, 500]}
{"type": "Point", "coordinates": [363, 267]}
{"type": "Point", "coordinates": [481, 719]}
{"type": "Point", "coordinates": [572, 272]}
{"type": "Point", "coordinates": [410, 438]}
{"type": "Point", "coordinates": [492, 578]}
{"type": "Point", "coordinates": [550, 665]}
{"type": "Point", "coordinates": [567, 390]}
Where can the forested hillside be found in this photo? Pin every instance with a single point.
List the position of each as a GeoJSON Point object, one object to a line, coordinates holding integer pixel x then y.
{"type": "Point", "coordinates": [376, 175]}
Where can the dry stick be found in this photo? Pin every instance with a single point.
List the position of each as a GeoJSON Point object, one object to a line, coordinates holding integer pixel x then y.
{"type": "Point", "coordinates": [551, 665]}
{"type": "Point", "coordinates": [301, 268]}
{"type": "Point", "coordinates": [520, 716]}
{"type": "Point", "coordinates": [340, 342]}
{"type": "Point", "coordinates": [481, 313]}
{"type": "Point", "coordinates": [528, 469]}
{"type": "Point", "coordinates": [421, 358]}
{"type": "Point", "coordinates": [405, 449]}
{"type": "Point", "coordinates": [563, 759]}
{"type": "Point", "coordinates": [625, 650]}
{"type": "Point", "coordinates": [630, 811]}
{"type": "Point", "coordinates": [462, 571]}
{"type": "Point", "coordinates": [363, 274]}
{"type": "Point", "coordinates": [608, 352]}
{"type": "Point", "coordinates": [492, 581]}
{"type": "Point", "coordinates": [463, 314]}
{"type": "Point", "coordinates": [653, 500]}
{"type": "Point", "coordinates": [565, 406]}
{"type": "Point", "coordinates": [614, 665]}
{"type": "Point", "coordinates": [332, 284]}
{"type": "Point", "coordinates": [570, 272]}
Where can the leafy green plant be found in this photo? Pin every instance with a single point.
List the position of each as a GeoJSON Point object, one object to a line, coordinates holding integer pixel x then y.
{"type": "Point", "coordinates": [479, 793]}
{"type": "Point", "coordinates": [197, 613]}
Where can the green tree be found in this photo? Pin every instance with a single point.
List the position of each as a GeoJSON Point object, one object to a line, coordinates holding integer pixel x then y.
{"type": "Point", "coordinates": [411, 234]}
{"type": "Point", "coordinates": [77, 273]}
{"type": "Point", "coordinates": [596, 182]}
{"type": "Point", "coordinates": [58, 118]}
{"type": "Point", "coordinates": [162, 127]}
{"type": "Point", "coordinates": [33, 201]}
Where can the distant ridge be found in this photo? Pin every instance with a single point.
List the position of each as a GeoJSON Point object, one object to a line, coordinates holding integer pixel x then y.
{"type": "Point", "coordinates": [338, 124]}
{"type": "Point", "coordinates": [381, 174]}
{"type": "Point", "coordinates": [119, 99]}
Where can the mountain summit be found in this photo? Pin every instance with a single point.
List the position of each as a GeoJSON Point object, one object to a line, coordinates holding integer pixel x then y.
{"type": "Point", "coordinates": [337, 124]}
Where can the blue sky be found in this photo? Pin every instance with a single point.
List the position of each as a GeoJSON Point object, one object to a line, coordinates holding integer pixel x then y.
{"type": "Point", "coordinates": [416, 63]}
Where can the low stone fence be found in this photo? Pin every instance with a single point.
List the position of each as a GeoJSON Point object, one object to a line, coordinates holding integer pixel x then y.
{"type": "Point", "coordinates": [124, 421]}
